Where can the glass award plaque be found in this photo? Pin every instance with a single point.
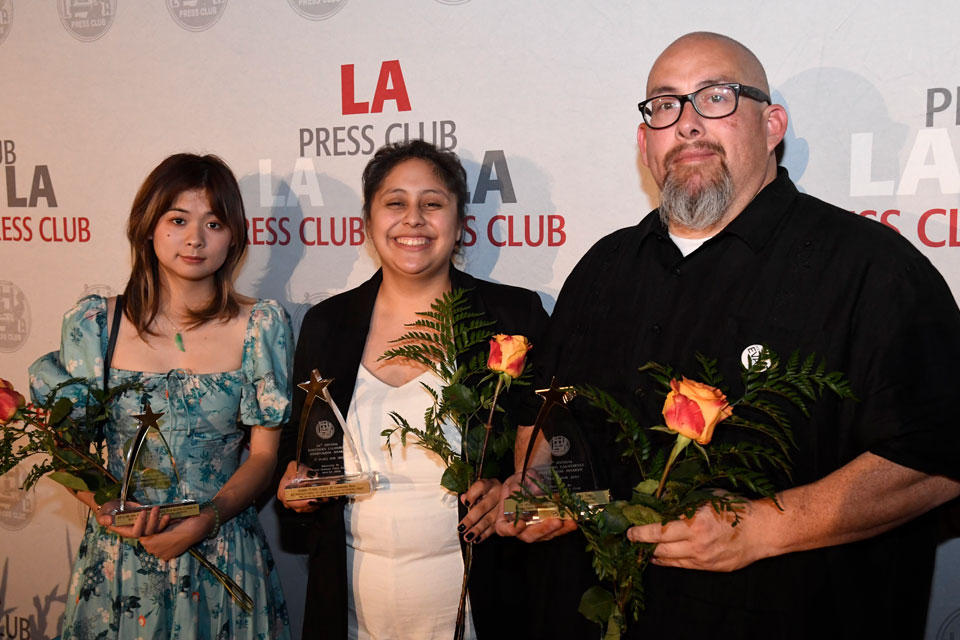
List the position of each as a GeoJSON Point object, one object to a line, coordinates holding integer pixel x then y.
{"type": "Point", "coordinates": [324, 445]}
{"type": "Point", "coordinates": [569, 461]}
{"type": "Point", "coordinates": [150, 476]}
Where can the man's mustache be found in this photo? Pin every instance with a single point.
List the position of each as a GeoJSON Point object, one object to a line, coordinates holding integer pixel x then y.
{"type": "Point", "coordinates": [694, 146]}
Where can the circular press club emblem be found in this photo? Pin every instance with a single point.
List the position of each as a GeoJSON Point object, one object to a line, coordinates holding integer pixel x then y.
{"type": "Point", "coordinates": [87, 20]}
{"type": "Point", "coordinates": [559, 446]}
{"type": "Point", "coordinates": [325, 429]}
{"type": "Point", "coordinates": [16, 505]}
{"type": "Point", "coordinates": [317, 9]}
{"type": "Point", "coordinates": [6, 18]}
{"type": "Point", "coordinates": [14, 317]}
{"type": "Point", "coordinates": [196, 15]}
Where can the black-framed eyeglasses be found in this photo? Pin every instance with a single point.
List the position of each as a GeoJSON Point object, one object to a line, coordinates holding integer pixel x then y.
{"type": "Point", "coordinates": [713, 101]}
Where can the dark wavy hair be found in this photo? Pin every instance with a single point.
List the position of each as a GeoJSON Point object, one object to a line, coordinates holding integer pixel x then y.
{"type": "Point", "coordinates": [175, 175]}
{"type": "Point", "coordinates": [446, 165]}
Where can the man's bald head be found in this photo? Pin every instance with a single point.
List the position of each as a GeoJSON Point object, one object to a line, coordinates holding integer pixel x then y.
{"type": "Point", "coordinates": [751, 71]}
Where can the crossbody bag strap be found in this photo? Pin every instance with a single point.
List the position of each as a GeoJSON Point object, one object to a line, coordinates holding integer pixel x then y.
{"type": "Point", "coordinates": [108, 356]}
{"type": "Point", "coordinates": [112, 340]}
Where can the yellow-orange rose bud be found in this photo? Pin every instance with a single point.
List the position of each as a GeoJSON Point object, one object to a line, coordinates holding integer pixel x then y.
{"type": "Point", "coordinates": [508, 354]}
{"type": "Point", "coordinates": [10, 401]}
{"type": "Point", "coordinates": [693, 409]}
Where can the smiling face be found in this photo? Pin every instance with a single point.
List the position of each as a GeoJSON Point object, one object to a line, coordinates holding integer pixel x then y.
{"type": "Point", "coordinates": [698, 155]}
{"type": "Point", "coordinates": [413, 221]}
{"type": "Point", "coordinates": [189, 240]}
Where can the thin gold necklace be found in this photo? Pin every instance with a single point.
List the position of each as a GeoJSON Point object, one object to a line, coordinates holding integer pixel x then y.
{"type": "Point", "coordinates": [178, 337]}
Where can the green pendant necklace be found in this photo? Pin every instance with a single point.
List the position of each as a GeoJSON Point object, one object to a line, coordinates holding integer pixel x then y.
{"type": "Point", "coordinates": [177, 337]}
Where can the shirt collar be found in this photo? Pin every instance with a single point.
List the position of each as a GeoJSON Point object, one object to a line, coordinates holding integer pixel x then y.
{"type": "Point", "coordinates": [755, 224]}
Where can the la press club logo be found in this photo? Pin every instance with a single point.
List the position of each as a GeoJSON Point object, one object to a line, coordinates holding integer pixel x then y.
{"type": "Point", "coordinates": [317, 9]}
{"type": "Point", "coordinates": [87, 20]}
{"type": "Point", "coordinates": [932, 160]}
{"type": "Point", "coordinates": [196, 15]}
{"type": "Point", "coordinates": [16, 505]}
{"type": "Point", "coordinates": [14, 317]}
{"type": "Point", "coordinates": [6, 18]}
{"type": "Point", "coordinates": [30, 197]}
{"type": "Point", "coordinates": [354, 138]}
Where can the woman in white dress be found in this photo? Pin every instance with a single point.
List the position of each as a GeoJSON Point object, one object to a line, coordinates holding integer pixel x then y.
{"type": "Point", "coordinates": [389, 565]}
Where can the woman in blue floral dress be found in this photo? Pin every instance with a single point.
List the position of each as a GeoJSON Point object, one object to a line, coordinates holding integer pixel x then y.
{"type": "Point", "coordinates": [216, 365]}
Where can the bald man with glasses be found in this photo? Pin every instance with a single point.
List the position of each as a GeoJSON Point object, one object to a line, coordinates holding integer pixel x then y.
{"type": "Point", "coordinates": [736, 257]}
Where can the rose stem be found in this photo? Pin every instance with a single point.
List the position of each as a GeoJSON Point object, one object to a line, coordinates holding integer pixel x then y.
{"type": "Point", "coordinates": [680, 445]}
{"type": "Point", "coordinates": [489, 427]}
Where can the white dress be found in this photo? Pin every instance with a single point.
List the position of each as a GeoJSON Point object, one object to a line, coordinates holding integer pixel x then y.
{"type": "Point", "coordinates": [404, 568]}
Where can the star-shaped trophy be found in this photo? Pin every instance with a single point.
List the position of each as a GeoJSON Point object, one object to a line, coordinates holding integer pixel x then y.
{"type": "Point", "coordinates": [563, 453]}
{"type": "Point", "coordinates": [323, 442]}
{"type": "Point", "coordinates": [150, 475]}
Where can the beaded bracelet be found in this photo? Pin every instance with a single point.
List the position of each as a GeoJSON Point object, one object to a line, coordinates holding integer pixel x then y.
{"type": "Point", "coordinates": [216, 518]}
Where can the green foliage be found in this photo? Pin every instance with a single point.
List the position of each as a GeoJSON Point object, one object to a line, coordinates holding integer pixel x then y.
{"type": "Point", "coordinates": [60, 438]}
{"type": "Point", "coordinates": [442, 339]}
{"type": "Point", "coordinates": [631, 437]}
{"type": "Point", "coordinates": [66, 438]}
{"type": "Point", "coordinates": [690, 481]}
{"type": "Point", "coordinates": [597, 604]}
{"type": "Point", "coordinates": [457, 476]}
{"type": "Point", "coordinates": [69, 480]}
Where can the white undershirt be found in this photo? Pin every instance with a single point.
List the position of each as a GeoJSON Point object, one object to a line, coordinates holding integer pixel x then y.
{"type": "Point", "coordinates": [404, 568]}
{"type": "Point", "coordinates": [687, 245]}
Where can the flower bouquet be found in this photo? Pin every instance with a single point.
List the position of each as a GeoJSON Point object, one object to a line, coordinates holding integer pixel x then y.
{"type": "Point", "coordinates": [447, 340]}
{"type": "Point", "coordinates": [68, 439]}
{"type": "Point", "coordinates": [675, 485]}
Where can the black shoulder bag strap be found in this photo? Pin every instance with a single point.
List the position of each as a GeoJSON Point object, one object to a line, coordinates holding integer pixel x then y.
{"type": "Point", "coordinates": [108, 356]}
{"type": "Point", "coordinates": [112, 340]}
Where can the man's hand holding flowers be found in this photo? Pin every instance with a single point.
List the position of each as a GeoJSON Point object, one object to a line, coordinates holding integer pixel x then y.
{"type": "Point", "coordinates": [707, 541]}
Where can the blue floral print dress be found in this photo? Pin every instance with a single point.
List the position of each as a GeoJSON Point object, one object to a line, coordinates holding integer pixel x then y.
{"type": "Point", "coordinates": [118, 590]}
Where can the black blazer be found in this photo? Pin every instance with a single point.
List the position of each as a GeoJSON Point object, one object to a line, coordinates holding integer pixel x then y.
{"type": "Point", "coordinates": [332, 339]}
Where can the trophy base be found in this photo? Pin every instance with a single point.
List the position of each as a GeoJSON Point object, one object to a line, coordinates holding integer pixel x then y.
{"type": "Point", "coordinates": [535, 512]}
{"type": "Point", "coordinates": [331, 486]}
{"type": "Point", "coordinates": [173, 509]}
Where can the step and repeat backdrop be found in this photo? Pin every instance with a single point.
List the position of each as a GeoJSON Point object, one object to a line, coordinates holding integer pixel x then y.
{"type": "Point", "coordinates": [537, 97]}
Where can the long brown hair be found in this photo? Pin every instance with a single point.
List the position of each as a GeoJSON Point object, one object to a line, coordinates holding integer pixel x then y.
{"type": "Point", "coordinates": [172, 177]}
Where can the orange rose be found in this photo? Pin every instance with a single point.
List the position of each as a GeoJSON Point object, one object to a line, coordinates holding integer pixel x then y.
{"type": "Point", "coordinates": [10, 402]}
{"type": "Point", "coordinates": [507, 354]}
{"type": "Point", "coordinates": [693, 409]}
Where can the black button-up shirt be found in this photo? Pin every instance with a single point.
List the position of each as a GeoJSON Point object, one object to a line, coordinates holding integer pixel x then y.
{"type": "Point", "coordinates": [793, 273]}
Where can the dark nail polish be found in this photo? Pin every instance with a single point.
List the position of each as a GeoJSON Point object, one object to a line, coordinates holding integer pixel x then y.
{"type": "Point", "coordinates": [466, 502]}
{"type": "Point", "coordinates": [468, 537]}
{"type": "Point", "coordinates": [461, 528]}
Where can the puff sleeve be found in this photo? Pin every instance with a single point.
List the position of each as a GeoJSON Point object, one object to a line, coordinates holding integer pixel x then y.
{"type": "Point", "coordinates": [83, 341]}
{"type": "Point", "coordinates": [267, 360]}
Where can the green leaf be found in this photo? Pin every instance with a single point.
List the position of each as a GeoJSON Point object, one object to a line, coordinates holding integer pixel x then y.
{"type": "Point", "coordinates": [647, 487]}
{"type": "Point", "coordinates": [639, 514]}
{"type": "Point", "coordinates": [597, 605]}
{"type": "Point", "coordinates": [614, 627]}
{"type": "Point", "coordinates": [60, 410]}
{"type": "Point", "coordinates": [456, 477]}
{"type": "Point", "coordinates": [107, 493]}
{"type": "Point", "coordinates": [93, 479]}
{"type": "Point", "coordinates": [69, 480]}
{"type": "Point", "coordinates": [491, 468]}
{"type": "Point", "coordinates": [613, 518]}
{"type": "Point", "coordinates": [461, 398]}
